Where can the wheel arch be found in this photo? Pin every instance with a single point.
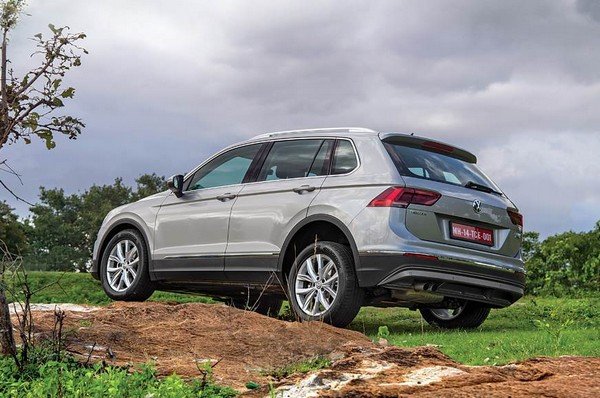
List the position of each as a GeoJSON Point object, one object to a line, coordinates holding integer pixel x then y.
{"type": "Point", "coordinates": [115, 228]}
{"type": "Point", "coordinates": [303, 228]}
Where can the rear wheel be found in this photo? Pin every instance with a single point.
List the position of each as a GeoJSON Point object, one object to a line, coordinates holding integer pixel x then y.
{"type": "Point", "coordinates": [322, 284]}
{"type": "Point", "coordinates": [124, 267]}
{"type": "Point", "coordinates": [468, 315]}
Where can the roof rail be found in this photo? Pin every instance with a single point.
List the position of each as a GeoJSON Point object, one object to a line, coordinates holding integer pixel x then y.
{"type": "Point", "coordinates": [315, 131]}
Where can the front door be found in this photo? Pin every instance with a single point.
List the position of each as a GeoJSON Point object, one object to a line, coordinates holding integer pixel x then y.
{"type": "Point", "coordinates": [191, 231]}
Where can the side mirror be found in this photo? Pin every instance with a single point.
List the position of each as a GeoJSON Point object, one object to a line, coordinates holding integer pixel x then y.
{"type": "Point", "coordinates": [175, 184]}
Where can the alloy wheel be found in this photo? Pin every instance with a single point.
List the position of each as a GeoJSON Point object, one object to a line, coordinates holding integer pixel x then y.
{"type": "Point", "coordinates": [317, 284]}
{"type": "Point", "coordinates": [123, 265]}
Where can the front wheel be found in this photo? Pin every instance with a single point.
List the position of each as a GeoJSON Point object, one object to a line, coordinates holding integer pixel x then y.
{"type": "Point", "coordinates": [322, 284]}
{"type": "Point", "coordinates": [468, 315]}
{"type": "Point", "coordinates": [124, 267]}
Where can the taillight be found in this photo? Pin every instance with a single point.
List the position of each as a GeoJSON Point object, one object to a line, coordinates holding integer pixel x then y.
{"type": "Point", "coordinates": [515, 217]}
{"type": "Point", "coordinates": [402, 197]}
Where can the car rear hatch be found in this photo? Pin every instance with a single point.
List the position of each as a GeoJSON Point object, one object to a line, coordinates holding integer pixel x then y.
{"type": "Point", "coordinates": [471, 211]}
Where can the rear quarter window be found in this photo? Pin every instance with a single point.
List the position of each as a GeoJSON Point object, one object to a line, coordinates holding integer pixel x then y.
{"type": "Point", "coordinates": [344, 158]}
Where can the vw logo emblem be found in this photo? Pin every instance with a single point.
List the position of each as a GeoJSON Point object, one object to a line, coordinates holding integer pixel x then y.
{"type": "Point", "coordinates": [476, 206]}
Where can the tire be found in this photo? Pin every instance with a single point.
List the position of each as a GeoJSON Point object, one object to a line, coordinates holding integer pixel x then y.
{"type": "Point", "coordinates": [266, 305]}
{"type": "Point", "coordinates": [348, 298]}
{"type": "Point", "coordinates": [116, 287]}
{"type": "Point", "coordinates": [469, 316]}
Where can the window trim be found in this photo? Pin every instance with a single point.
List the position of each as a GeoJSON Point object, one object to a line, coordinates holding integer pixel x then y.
{"type": "Point", "coordinates": [251, 176]}
{"type": "Point", "coordinates": [332, 158]}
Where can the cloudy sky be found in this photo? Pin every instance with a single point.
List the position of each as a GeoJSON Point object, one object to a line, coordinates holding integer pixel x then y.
{"type": "Point", "coordinates": [167, 83]}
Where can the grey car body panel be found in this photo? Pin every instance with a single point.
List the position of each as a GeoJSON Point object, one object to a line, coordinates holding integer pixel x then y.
{"type": "Point", "coordinates": [432, 223]}
{"type": "Point", "coordinates": [262, 216]}
{"type": "Point", "coordinates": [198, 237]}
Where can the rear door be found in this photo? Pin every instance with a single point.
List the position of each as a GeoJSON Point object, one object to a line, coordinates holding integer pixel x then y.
{"type": "Point", "coordinates": [475, 217]}
{"type": "Point", "coordinates": [290, 177]}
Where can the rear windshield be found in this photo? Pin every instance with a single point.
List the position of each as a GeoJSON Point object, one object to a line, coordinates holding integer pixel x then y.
{"type": "Point", "coordinates": [422, 163]}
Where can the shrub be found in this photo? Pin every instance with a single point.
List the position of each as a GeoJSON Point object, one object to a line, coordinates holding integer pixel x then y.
{"type": "Point", "coordinates": [46, 377]}
{"type": "Point", "coordinates": [567, 263]}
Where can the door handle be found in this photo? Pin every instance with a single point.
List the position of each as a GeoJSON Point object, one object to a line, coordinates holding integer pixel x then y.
{"type": "Point", "coordinates": [304, 188]}
{"type": "Point", "coordinates": [225, 197]}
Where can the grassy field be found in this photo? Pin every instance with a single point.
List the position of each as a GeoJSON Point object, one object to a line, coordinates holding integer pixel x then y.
{"type": "Point", "coordinates": [81, 288]}
{"type": "Point", "coordinates": [531, 327]}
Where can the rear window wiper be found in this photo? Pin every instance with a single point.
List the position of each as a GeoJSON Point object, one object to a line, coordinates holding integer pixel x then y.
{"type": "Point", "coordinates": [481, 187]}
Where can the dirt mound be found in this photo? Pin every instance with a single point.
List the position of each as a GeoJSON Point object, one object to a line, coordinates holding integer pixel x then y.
{"type": "Point", "coordinates": [176, 337]}
{"type": "Point", "coordinates": [426, 372]}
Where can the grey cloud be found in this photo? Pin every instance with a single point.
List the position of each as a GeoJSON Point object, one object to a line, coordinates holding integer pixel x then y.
{"type": "Point", "coordinates": [167, 83]}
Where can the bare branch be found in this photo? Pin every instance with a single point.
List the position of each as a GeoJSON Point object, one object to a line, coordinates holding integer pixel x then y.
{"type": "Point", "coordinates": [14, 194]}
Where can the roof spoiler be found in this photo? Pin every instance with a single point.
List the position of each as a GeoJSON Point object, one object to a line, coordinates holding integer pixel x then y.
{"type": "Point", "coordinates": [429, 145]}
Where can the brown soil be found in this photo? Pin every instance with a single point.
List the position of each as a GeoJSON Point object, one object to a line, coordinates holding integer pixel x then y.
{"type": "Point", "coordinates": [426, 372]}
{"type": "Point", "coordinates": [178, 336]}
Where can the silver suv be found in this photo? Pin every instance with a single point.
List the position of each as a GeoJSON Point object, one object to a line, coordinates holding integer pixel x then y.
{"type": "Point", "coordinates": [329, 219]}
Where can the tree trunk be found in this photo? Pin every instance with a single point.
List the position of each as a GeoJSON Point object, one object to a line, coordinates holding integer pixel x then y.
{"type": "Point", "coordinates": [7, 339]}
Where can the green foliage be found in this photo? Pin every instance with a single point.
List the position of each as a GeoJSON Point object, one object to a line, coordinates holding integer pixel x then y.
{"type": "Point", "coordinates": [12, 232]}
{"type": "Point", "coordinates": [563, 264]}
{"type": "Point", "coordinates": [9, 13]}
{"type": "Point", "coordinates": [311, 364]}
{"type": "Point", "coordinates": [81, 288]}
{"type": "Point", "coordinates": [26, 102]}
{"type": "Point", "coordinates": [252, 385]}
{"type": "Point", "coordinates": [67, 378]}
{"type": "Point", "coordinates": [64, 227]}
{"type": "Point", "coordinates": [509, 334]}
{"type": "Point", "coordinates": [383, 332]}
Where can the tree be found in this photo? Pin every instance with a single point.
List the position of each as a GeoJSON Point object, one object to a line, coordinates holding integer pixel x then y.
{"type": "Point", "coordinates": [149, 184]}
{"type": "Point", "coordinates": [28, 104]}
{"type": "Point", "coordinates": [564, 263]}
{"type": "Point", "coordinates": [63, 228]}
{"type": "Point", "coordinates": [12, 231]}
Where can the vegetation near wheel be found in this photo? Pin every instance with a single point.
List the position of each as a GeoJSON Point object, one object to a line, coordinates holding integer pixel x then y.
{"type": "Point", "coordinates": [467, 316]}
{"type": "Point", "coordinates": [322, 284]}
{"type": "Point", "coordinates": [124, 267]}
{"type": "Point", "coordinates": [266, 305]}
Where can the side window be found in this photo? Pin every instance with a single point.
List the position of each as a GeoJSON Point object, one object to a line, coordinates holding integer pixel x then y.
{"type": "Point", "coordinates": [291, 159]}
{"type": "Point", "coordinates": [226, 169]}
{"type": "Point", "coordinates": [344, 158]}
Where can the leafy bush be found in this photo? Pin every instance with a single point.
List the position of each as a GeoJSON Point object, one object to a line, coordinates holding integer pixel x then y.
{"type": "Point", "coordinates": [47, 377]}
{"type": "Point", "coordinates": [563, 264]}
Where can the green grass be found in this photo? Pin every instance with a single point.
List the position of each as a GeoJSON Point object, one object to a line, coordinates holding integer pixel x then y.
{"type": "Point", "coordinates": [47, 377]}
{"type": "Point", "coordinates": [81, 288]}
{"type": "Point", "coordinates": [315, 363]}
{"type": "Point", "coordinates": [529, 328]}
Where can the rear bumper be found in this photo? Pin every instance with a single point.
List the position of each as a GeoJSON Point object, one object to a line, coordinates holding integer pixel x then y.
{"type": "Point", "coordinates": [465, 279]}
